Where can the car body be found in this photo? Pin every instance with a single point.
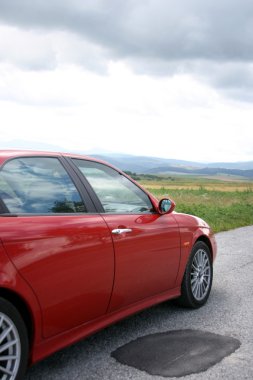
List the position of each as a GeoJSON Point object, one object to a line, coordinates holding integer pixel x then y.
{"type": "Point", "coordinates": [82, 245]}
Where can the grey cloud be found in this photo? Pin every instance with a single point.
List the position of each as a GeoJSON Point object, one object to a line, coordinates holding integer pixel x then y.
{"type": "Point", "coordinates": [159, 37]}
{"type": "Point", "coordinates": [168, 29]}
{"type": "Point", "coordinates": [234, 79]}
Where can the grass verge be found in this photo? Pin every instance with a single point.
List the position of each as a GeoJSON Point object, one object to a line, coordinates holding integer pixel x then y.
{"type": "Point", "coordinates": [222, 210]}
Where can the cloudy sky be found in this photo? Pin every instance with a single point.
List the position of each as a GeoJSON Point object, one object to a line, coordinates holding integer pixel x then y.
{"type": "Point", "coordinates": [168, 78]}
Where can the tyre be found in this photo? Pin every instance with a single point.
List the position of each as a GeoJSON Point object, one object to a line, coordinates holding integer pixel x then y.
{"type": "Point", "coordinates": [198, 277]}
{"type": "Point", "coordinates": [13, 343]}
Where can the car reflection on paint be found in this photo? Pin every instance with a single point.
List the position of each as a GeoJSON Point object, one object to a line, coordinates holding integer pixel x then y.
{"type": "Point", "coordinates": [82, 245]}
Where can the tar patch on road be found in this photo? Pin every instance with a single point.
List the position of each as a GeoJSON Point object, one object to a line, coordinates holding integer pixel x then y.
{"type": "Point", "coordinates": [176, 353]}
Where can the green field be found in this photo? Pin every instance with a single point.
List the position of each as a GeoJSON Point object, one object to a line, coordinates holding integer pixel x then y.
{"type": "Point", "coordinates": [225, 203]}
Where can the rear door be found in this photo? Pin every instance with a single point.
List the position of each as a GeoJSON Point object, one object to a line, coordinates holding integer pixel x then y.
{"type": "Point", "coordinates": [59, 245]}
{"type": "Point", "coordinates": [147, 244]}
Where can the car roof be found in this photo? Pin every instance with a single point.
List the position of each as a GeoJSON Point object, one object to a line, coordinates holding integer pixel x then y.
{"type": "Point", "coordinates": [7, 154]}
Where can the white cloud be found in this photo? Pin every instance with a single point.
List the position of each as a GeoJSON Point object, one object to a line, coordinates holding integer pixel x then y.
{"type": "Point", "coordinates": [39, 50]}
{"type": "Point", "coordinates": [150, 77]}
{"type": "Point", "coordinates": [174, 117]}
{"type": "Point", "coordinates": [26, 49]}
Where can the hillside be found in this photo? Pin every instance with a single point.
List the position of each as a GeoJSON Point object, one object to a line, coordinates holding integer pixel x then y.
{"type": "Point", "coordinates": [155, 165]}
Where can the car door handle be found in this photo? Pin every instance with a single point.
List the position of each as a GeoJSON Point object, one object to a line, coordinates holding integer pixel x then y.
{"type": "Point", "coordinates": [119, 231]}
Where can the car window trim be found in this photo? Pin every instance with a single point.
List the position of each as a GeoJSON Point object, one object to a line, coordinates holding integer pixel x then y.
{"type": "Point", "coordinates": [9, 214]}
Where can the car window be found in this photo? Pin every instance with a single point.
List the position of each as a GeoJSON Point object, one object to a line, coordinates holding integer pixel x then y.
{"type": "Point", "coordinates": [38, 185]}
{"type": "Point", "coordinates": [116, 193]}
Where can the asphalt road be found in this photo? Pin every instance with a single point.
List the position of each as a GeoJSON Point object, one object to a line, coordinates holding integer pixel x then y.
{"type": "Point", "coordinates": [229, 312]}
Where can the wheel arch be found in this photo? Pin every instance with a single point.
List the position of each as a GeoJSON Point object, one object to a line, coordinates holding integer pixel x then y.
{"type": "Point", "coordinates": [23, 308]}
{"type": "Point", "coordinates": [207, 241]}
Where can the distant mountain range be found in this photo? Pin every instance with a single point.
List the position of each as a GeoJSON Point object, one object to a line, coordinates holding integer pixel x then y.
{"type": "Point", "coordinates": [155, 165]}
{"type": "Point", "coordinates": [148, 165]}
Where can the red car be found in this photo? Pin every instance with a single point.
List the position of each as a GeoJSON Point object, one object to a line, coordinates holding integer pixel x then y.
{"type": "Point", "coordinates": [82, 245]}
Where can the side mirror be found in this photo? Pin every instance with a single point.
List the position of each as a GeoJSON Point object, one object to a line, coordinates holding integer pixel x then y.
{"type": "Point", "coordinates": [166, 206]}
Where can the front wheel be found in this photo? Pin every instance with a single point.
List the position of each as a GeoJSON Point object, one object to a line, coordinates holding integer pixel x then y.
{"type": "Point", "coordinates": [198, 277]}
{"type": "Point", "coordinates": [13, 343]}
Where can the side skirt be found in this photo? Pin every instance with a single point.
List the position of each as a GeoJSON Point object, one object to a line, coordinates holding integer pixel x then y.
{"type": "Point", "coordinates": [53, 344]}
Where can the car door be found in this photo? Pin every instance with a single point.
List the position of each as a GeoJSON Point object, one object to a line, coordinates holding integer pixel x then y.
{"type": "Point", "coordinates": [58, 244]}
{"type": "Point", "coordinates": [147, 244]}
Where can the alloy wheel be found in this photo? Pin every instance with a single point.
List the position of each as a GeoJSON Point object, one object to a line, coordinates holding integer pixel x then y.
{"type": "Point", "coordinates": [200, 274]}
{"type": "Point", "coordinates": [10, 348]}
